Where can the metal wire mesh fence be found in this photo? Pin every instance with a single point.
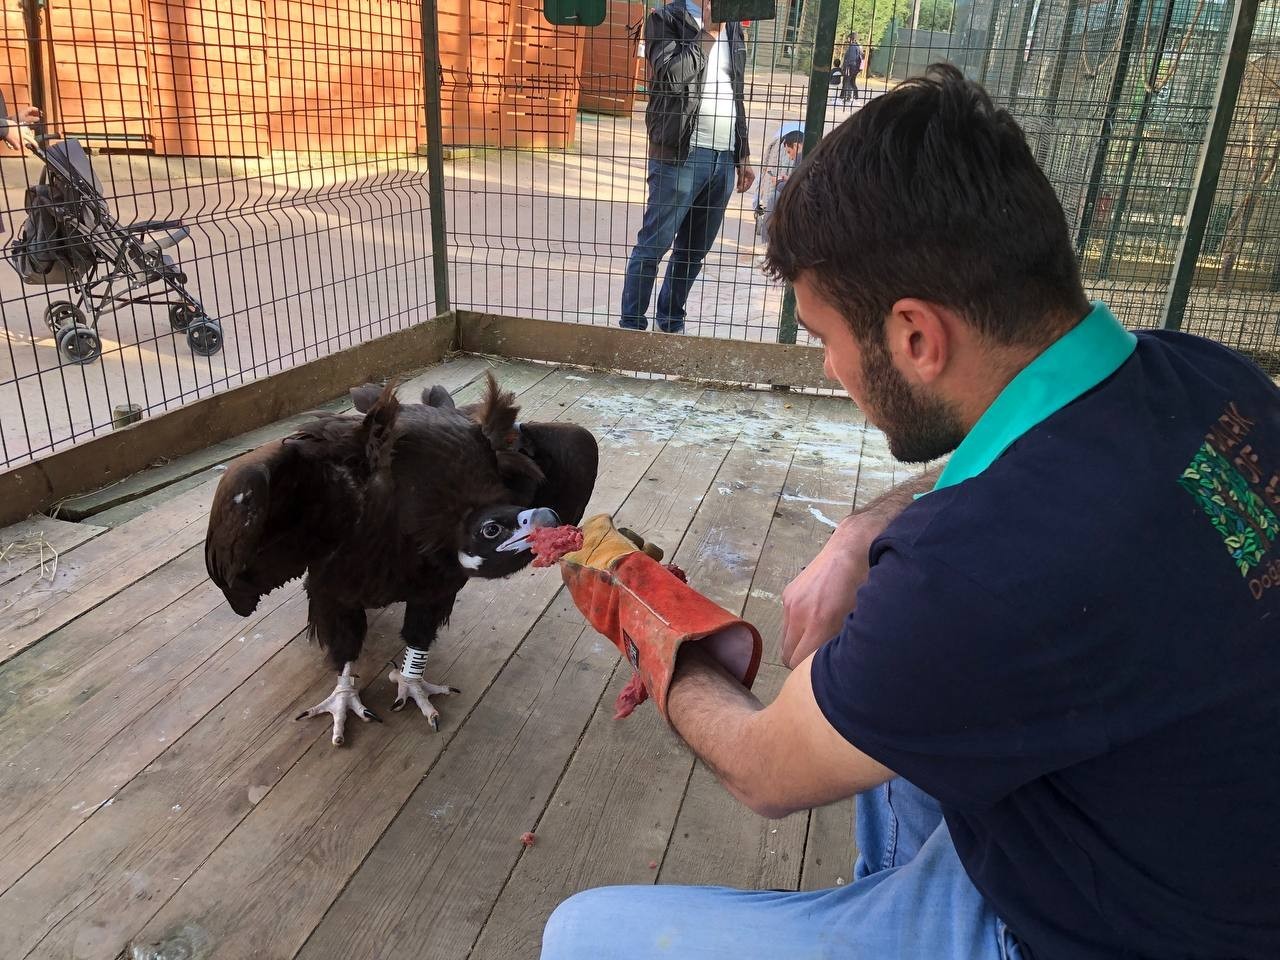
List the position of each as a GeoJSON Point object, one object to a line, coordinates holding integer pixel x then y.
{"type": "Point", "coordinates": [239, 190]}
{"type": "Point", "coordinates": [1116, 96]}
{"type": "Point", "coordinates": [289, 138]}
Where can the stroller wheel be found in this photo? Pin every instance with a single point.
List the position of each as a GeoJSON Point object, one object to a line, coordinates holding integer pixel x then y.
{"type": "Point", "coordinates": [79, 344]}
{"type": "Point", "coordinates": [204, 337]}
{"type": "Point", "coordinates": [63, 313]}
{"type": "Point", "coordinates": [180, 316]}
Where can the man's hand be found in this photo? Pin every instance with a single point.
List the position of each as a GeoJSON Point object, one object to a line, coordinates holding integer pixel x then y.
{"type": "Point", "coordinates": [815, 604]}
{"type": "Point", "coordinates": [746, 177]}
{"type": "Point", "coordinates": [13, 133]}
{"type": "Point", "coordinates": [648, 612]}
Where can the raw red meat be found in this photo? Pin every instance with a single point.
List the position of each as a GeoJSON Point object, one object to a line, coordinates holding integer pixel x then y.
{"type": "Point", "coordinates": [549, 544]}
{"type": "Point", "coordinates": [678, 573]}
{"type": "Point", "coordinates": [632, 695]}
{"type": "Point", "coordinates": [528, 839]}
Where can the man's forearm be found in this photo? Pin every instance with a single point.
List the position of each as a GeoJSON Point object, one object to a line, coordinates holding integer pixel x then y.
{"type": "Point", "coordinates": [711, 711]}
{"type": "Point", "coordinates": [775, 759]}
{"type": "Point", "coordinates": [892, 502]}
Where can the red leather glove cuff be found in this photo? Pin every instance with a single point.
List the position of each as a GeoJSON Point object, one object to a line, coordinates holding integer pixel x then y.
{"type": "Point", "coordinates": [648, 613]}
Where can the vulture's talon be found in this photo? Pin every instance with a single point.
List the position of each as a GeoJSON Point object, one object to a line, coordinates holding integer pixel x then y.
{"type": "Point", "coordinates": [420, 692]}
{"type": "Point", "coordinates": [344, 699]}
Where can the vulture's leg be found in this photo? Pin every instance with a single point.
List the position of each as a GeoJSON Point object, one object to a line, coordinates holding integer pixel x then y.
{"type": "Point", "coordinates": [341, 633]}
{"type": "Point", "coordinates": [421, 623]}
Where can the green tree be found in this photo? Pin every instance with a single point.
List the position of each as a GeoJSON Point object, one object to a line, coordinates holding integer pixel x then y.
{"type": "Point", "coordinates": [870, 18]}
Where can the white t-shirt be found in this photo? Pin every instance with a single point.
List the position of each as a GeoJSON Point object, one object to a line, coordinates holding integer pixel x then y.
{"type": "Point", "coordinates": [717, 114]}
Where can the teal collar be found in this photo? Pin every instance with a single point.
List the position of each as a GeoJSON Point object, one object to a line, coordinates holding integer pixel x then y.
{"type": "Point", "coordinates": [1075, 363]}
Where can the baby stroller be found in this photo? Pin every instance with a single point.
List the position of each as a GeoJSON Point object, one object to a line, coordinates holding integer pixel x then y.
{"type": "Point", "coordinates": [70, 237]}
{"type": "Point", "coordinates": [781, 155]}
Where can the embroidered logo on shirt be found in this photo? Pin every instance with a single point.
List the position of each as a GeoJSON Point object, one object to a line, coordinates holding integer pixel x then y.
{"type": "Point", "coordinates": [1237, 500]}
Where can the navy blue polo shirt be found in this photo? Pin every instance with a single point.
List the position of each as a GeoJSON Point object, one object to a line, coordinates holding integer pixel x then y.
{"type": "Point", "coordinates": [1073, 643]}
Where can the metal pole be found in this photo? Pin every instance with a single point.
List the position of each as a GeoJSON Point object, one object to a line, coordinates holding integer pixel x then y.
{"type": "Point", "coordinates": [1019, 59]}
{"type": "Point", "coordinates": [435, 154]}
{"type": "Point", "coordinates": [1118, 80]}
{"type": "Point", "coordinates": [1060, 61]}
{"type": "Point", "coordinates": [1126, 182]}
{"type": "Point", "coordinates": [1210, 165]}
{"type": "Point", "coordinates": [989, 43]}
{"type": "Point", "coordinates": [35, 56]}
{"type": "Point", "coordinates": [815, 120]}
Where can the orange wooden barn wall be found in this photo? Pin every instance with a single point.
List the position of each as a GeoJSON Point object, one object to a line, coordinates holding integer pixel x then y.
{"type": "Point", "coordinates": [15, 74]}
{"type": "Point", "coordinates": [510, 78]}
{"type": "Point", "coordinates": [99, 77]}
{"type": "Point", "coordinates": [610, 67]}
{"type": "Point", "coordinates": [244, 77]}
{"type": "Point", "coordinates": [209, 78]}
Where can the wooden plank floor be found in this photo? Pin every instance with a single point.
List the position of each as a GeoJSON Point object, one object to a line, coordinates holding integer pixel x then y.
{"type": "Point", "coordinates": [154, 788]}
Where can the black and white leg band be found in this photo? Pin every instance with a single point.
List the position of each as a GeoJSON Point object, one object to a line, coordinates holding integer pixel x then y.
{"type": "Point", "coordinates": [415, 661]}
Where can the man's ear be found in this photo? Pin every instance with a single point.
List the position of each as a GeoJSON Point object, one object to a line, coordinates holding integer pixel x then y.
{"type": "Point", "coordinates": [920, 336]}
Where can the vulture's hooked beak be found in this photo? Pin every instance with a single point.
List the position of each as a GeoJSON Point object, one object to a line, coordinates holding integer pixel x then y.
{"type": "Point", "coordinates": [526, 522]}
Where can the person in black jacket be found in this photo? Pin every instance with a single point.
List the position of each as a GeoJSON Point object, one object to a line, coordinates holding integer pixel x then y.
{"type": "Point", "coordinates": [698, 153]}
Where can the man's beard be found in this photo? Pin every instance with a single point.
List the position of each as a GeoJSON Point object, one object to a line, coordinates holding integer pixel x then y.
{"type": "Point", "coordinates": [919, 427]}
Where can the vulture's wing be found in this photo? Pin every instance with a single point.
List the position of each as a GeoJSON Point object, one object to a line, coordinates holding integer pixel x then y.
{"type": "Point", "coordinates": [265, 521]}
{"type": "Point", "coordinates": [568, 458]}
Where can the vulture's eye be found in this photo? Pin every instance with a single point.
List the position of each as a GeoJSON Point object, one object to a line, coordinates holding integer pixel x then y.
{"type": "Point", "coordinates": [491, 530]}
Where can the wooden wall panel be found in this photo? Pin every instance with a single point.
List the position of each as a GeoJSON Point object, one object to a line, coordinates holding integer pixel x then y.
{"type": "Point", "coordinates": [510, 78]}
{"type": "Point", "coordinates": [610, 67]}
{"type": "Point", "coordinates": [244, 77]}
{"type": "Point", "coordinates": [15, 71]}
{"type": "Point", "coordinates": [540, 95]}
{"type": "Point", "coordinates": [346, 75]}
{"type": "Point", "coordinates": [99, 72]}
{"type": "Point", "coordinates": [473, 57]}
{"type": "Point", "coordinates": [209, 80]}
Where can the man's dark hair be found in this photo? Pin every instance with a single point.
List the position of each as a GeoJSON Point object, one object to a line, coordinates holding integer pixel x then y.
{"type": "Point", "coordinates": [931, 192]}
{"type": "Point", "coordinates": [792, 138]}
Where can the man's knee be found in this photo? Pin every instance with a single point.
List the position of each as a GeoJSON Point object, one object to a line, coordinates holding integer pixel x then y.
{"type": "Point", "coordinates": [580, 926]}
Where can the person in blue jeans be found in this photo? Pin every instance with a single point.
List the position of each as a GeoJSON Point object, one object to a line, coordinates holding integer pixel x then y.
{"type": "Point", "coordinates": [698, 154]}
{"type": "Point", "coordinates": [1048, 669]}
{"type": "Point", "coordinates": [909, 895]}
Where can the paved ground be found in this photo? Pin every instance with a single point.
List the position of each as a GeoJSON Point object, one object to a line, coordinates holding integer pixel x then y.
{"type": "Point", "coordinates": [304, 254]}
{"type": "Point", "coordinates": [300, 255]}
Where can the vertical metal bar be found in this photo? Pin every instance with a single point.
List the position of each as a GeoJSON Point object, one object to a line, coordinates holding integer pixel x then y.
{"type": "Point", "coordinates": [435, 154]}
{"type": "Point", "coordinates": [1210, 165]}
{"type": "Point", "coordinates": [989, 43]}
{"type": "Point", "coordinates": [1135, 144]}
{"type": "Point", "coordinates": [815, 120]}
{"type": "Point", "coordinates": [1118, 81]}
{"type": "Point", "coordinates": [35, 55]}
{"type": "Point", "coordinates": [1019, 59]}
{"type": "Point", "coordinates": [1060, 61]}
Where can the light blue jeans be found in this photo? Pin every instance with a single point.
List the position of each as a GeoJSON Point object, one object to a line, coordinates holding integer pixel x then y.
{"type": "Point", "coordinates": [910, 900]}
{"type": "Point", "coordinates": [683, 214]}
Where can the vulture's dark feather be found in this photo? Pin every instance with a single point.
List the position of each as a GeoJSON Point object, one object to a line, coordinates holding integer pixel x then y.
{"type": "Point", "coordinates": [388, 505]}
